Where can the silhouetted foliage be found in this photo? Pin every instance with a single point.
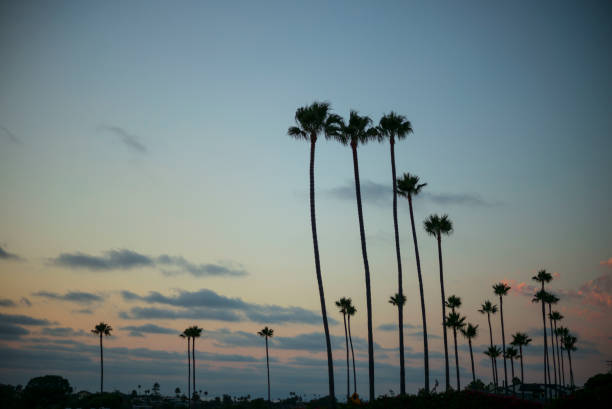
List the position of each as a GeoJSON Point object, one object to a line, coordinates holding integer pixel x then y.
{"type": "Point", "coordinates": [49, 391]}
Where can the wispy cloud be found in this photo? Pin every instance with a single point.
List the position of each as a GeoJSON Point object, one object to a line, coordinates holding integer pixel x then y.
{"type": "Point", "coordinates": [5, 255]}
{"type": "Point", "coordinates": [23, 320]}
{"type": "Point", "coordinates": [130, 140]}
{"type": "Point", "coordinates": [124, 259]}
{"type": "Point", "coordinates": [10, 136]}
{"type": "Point", "coordinates": [78, 297]}
{"type": "Point", "coordinates": [394, 327]}
{"type": "Point", "coordinates": [207, 304]}
{"type": "Point", "coordinates": [607, 262]}
{"type": "Point", "coordinates": [140, 330]}
{"type": "Point", "coordinates": [63, 332]}
{"type": "Point", "coordinates": [5, 302]}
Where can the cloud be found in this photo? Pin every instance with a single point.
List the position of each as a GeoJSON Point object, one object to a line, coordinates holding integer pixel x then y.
{"type": "Point", "coordinates": [25, 302]}
{"type": "Point", "coordinates": [124, 259]}
{"type": "Point", "coordinates": [22, 320]}
{"type": "Point", "coordinates": [140, 330]}
{"type": "Point", "coordinates": [5, 302]}
{"type": "Point", "coordinates": [5, 255]}
{"type": "Point", "coordinates": [207, 304]}
{"type": "Point", "coordinates": [83, 311]}
{"type": "Point", "coordinates": [11, 332]}
{"type": "Point", "coordinates": [62, 332]}
{"type": "Point", "coordinates": [130, 140]}
{"type": "Point", "coordinates": [607, 262]}
{"type": "Point", "coordinates": [10, 136]}
{"type": "Point", "coordinates": [381, 194]}
{"type": "Point", "coordinates": [394, 327]}
{"type": "Point", "coordinates": [78, 297]}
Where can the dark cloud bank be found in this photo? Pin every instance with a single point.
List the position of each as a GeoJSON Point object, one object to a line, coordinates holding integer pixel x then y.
{"type": "Point", "coordinates": [5, 255]}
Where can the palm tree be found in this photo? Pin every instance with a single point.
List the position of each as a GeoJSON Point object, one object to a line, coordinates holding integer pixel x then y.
{"type": "Point", "coordinates": [561, 332]}
{"type": "Point", "coordinates": [550, 300]}
{"type": "Point", "coordinates": [267, 333]}
{"type": "Point", "coordinates": [399, 300]}
{"type": "Point", "coordinates": [194, 332]}
{"type": "Point", "coordinates": [502, 289]}
{"type": "Point", "coordinates": [185, 334]}
{"type": "Point", "coordinates": [312, 121]}
{"type": "Point", "coordinates": [437, 226]}
{"type": "Point", "coordinates": [556, 316]}
{"type": "Point", "coordinates": [342, 304]}
{"type": "Point", "coordinates": [409, 186]}
{"type": "Point", "coordinates": [102, 329]}
{"type": "Point", "coordinates": [358, 131]}
{"type": "Point", "coordinates": [494, 352]}
{"type": "Point", "coordinates": [471, 331]}
{"type": "Point", "coordinates": [512, 354]}
{"type": "Point", "coordinates": [350, 311]}
{"type": "Point", "coordinates": [543, 277]}
{"type": "Point", "coordinates": [569, 342]}
{"type": "Point", "coordinates": [454, 302]}
{"type": "Point", "coordinates": [520, 340]}
{"type": "Point", "coordinates": [456, 322]}
{"type": "Point", "coordinates": [489, 308]}
{"type": "Point", "coordinates": [392, 127]}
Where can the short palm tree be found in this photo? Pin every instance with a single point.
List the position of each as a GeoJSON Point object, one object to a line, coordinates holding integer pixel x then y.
{"type": "Point", "coordinates": [437, 226]}
{"type": "Point", "coordinates": [569, 344]}
{"type": "Point", "coordinates": [399, 300]}
{"type": "Point", "coordinates": [494, 352]}
{"type": "Point", "coordinates": [512, 354]}
{"type": "Point", "coordinates": [350, 311]}
{"type": "Point", "coordinates": [454, 302]}
{"type": "Point", "coordinates": [470, 332]}
{"type": "Point", "coordinates": [102, 329]}
{"type": "Point", "coordinates": [561, 332]}
{"type": "Point", "coordinates": [391, 127]}
{"type": "Point", "coordinates": [550, 300]}
{"type": "Point", "coordinates": [456, 322]}
{"type": "Point", "coordinates": [312, 121]}
{"type": "Point", "coordinates": [408, 186]}
{"type": "Point", "coordinates": [520, 340]}
{"type": "Point", "coordinates": [342, 303]}
{"type": "Point", "coordinates": [501, 289]}
{"type": "Point", "coordinates": [267, 333]}
{"type": "Point", "coordinates": [489, 308]}
{"type": "Point", "coordinates": [556, 316]}
{"type": "Point", "coordinates": [185, 335]}
{"type": "Point", "coordinates": [194, 332]}
{"type": "Point", "coordinates": [358, 131]}
{"type": "Point", "coordinates": [543, 277]}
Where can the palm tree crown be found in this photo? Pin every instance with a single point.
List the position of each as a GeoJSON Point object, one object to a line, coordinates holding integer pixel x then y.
{"type": "Point", "coordinates": [520, 339]}
{"type": "Point", "coordinates": [313, 120]}
{"type": "Point", "coordinates": [408, 185]}
{"type": "Point", "coordinates": [436, 225]}
{"type": "Point", "coordinates": [397, 300]}
{"type": "Point", "coordinates": [393, 126]}
{"type": "Point", "coordinates": [266, 332]}
{"type": "Point", "coordinates": [488, 307]}
{"type": "Point", "coordinates": [455, 321]}
{"type": "Point", "coordinates": [501, 289]}
{"type": "Point", "coordinates": [542, 277]}
{"type": "Point", "coordinates": [102, 329]}
{"type": "Point", "coordinates": [357, 131]}
{"type": "Point", "coordinates": [453, 302]}
{"type": "Point", "coordinates": [470, 331]}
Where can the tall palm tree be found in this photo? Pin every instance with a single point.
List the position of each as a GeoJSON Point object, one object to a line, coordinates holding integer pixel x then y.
{"type": "Point", "coordinates": [312, 121]}
{"type": "Point", "coordinates": [454, 302]}
{"type": "Point", "coordinates": [550, 300]}
{"type": "Point", "coordinates": [489, 308]}
{"type": "Point", "coordinates": [350, 311]}
{"type": "Point", "coordinates": [185, 334]}
{"type": "Point", "coordinates": [471, 331]}
{"type": "Point", "coordinates": [437, 226]}
{"type": "Point", "coordinates": [501, 289]}
{"type": "Point", "coordinates": [561, 332]}
{"type": "Point", "coordinates": [556, 316]}
{"type": "Point", "coordinates": [267, 333]}
{"type": "Point", "coordinates": [391, 127]}
{"type": "Point", "coordinates": [543, 277]}
{"type": "Point", "coordinates": [354, 133]}
{"type": "Point", "coordinates": [512, 354]}
{"type": "Point", "coordinates": [194, 332]}
{"type": "Point", "coordinates": [494, 352]}
{"type": "Point", "coordinates": [408, 186]}
{"type": "Point", "coordinates": [399, 300]}
{"type": "Point", "coordinates": [456, 322]}
{"type": "Point", "coordinates": [102, 329]}
{"type": "Point", "coordinates": [569, 344]}
{"type": "Point", "coordinates": [342, 304]}
{"type": "Point", "coordinates": [520, 340]}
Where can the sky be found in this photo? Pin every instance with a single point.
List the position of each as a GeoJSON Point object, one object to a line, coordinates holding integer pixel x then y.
{"type": "Point", "coordinates": [148, 182]}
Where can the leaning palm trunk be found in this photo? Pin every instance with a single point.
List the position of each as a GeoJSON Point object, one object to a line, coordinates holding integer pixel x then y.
{"type": "Point", "coordinates": [366, 266]}
{"type": "Point", "coordinates": [423, 316]}
{"type": "Point", "coordinates": [491, 339]}
{"type": "Point", "coordinates": [552, 344]}
{"type": "Point", "coordinates": [101, 367]}
{"type": "Point", "coordinates": [522, 374]}
{"type": "Point", "coordinates": [315, 243]}
{"type": "Point", "coordinates": [512, 366]}
{"type": "Point", "coordinates": [353, 354]}
{"type": "Point", "coordinates": [348, 380]}
{"type": "Point", "coordinates": [472, 360]}
{"type": "Point", "coordinates": [501, 313]}
{"type": "Point", "coordinates": [456, 359]}
{"type": "Point", "coordinates": [569, 358]}
{"type": "Point", "coordinates": [562, 365]}
{"type": "Point", "coordinates": [443, 313]}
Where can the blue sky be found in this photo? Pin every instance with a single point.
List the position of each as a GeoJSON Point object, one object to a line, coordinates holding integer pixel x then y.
{"type": "Point", "coordinates": [160, 129]}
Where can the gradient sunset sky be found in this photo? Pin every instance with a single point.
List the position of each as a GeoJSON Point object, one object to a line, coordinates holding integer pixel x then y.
{"type": "Point", "coordinates": [147, 180]}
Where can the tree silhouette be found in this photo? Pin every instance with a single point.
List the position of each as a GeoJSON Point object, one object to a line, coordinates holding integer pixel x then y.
{"type": "Point", "coordinates": [520, 340]}
{"type": "Point", "coordinates": [470, 332]}
{"type": "Point", "coordinates": [194, 332]}
{"type": "Point", "coordinates": [493, 352]}
{"type": "Point", "coordinates": [550, 300]}
{"type": "Point", "coordinates": [408, 186]}
{"type": "Point", "coordinates": [343, 303]}
{"type": "Point", "coordinates": [350, 311]}
{"type": "Point", "coordinates": [490, 308]}
{"type": "Point", "coordinates": [437, 226]}
{"type": "Point", "coordinates": [391, 127]}
{"type": "Point", "coordinates": [185, 335]}
{"type": "Point", "coordinates": [569, 344]}
{"type": "Point", "coordinates": [556, 316]}
{"type": "Point", "coordinates": [354, 133]}
{"type": "Point", "coordinates": [312, 121]}
{"type": "Point", "coordinates": [511, 354]}
{"type": "Point", "coordinates": [501, 289]}
{"type": "Point", "coordinates": [399, 300]}
{"type": "Point", "coordinates": [267, 333]}
{"type": "Point", "coordinates": [456, 322]}
{"type": "Point", "coordinates": [102, 329]}
{"type": "Point", "coordinates": [562, 332]}
{"type": "Point", "coordinates": [543, 277]}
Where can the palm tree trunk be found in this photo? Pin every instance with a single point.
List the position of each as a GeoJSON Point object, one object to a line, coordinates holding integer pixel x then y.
{"type": "Point", "coordinates": [562, 365]}
{"type": "Point", "coordinates": [366, 266]}
{"type": "Point", "coordinates": [512, 365]}
{"type": "Point", "coordinates": [501, 314]}
{"type": "Point", "coordinates": [188, 371]}
{"type": "Point", "coordinates": [522, 374]}
{"type": "Point", "coordinates": [348, 380]}
{"type": "Point", "coordinates": [569, 358]}
{"type": "Point", "coordinates": [101, 367]}
{"type": "Point", "coordinates": [491, 340]}
{"type": "Point", "coordinates": [472, 359]}
{"type": "Point", "coordinates": [559, 357]}
{"type": "Point", "coordinates": [315, 243]}
{"type": "Point", "coordinates": [268, 367]}
{"type": "Point", "coordinates": [193, 366]}
{"type": "Point", "coordinates": [546, 370]}
{"type": "Point", "coordinates": [423, 317]}
{"type": "Point", "coordinates": [552, 344]}
{"type": "Point", "coordinates": [399, 273]}
{"type": "Point", "coordinates": [353, 354]}
{"type": "Point", "coordinates": [443, 313]}
{"type": "Point", "coordinates": [456, 359]}
{"type": "Point", "coordinates": [496, 374]}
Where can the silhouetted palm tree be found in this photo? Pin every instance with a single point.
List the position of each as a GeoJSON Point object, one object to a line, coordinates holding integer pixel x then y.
{"type": "Point", "coordinates": [102, 329]}
{"type": "Point", "coordinates": [543, 277]}
{"type": "Point", "coordinates": [194, 332]}
{"type": "Point", "coordinates": [556, 316]}
{"type": "Point", "coordinates": [408, 186]}
{"type": "Point", "coordinates": [312, 121]}
{"type": "Point", "coordinates": [520, 340]}
{"type": "Point", "coordinates": [494, 352]}
{"type": "Point", "coordinates": [550, 300]}
{"type": "Point", "coordinates": [512, 354]}
{"type": "Point", "coordinates": [392, 127]}
{"type": "Point", "coordinates": [501, 289]}
{"type": "Point", "coordinates": [489, 308]}
{"type": "Point", "coordinates": [437, 226]}
{"type": "Point", "coordinates": [342, 304]}
{"type": "Point", "coordinates": [358, 131]}
{"type": "Point", "coordinates": [456, 322]}
{"type": "Point", "coordinates": [185, 334]}
{"type": "Point", "coordinates": [267, 333]}
{"type": "Point", "coordinates": [399, 301]}
{"type": "Point", "coordinates": [569, 344]}
{"type": "Point", "coordinates": [350, 311]}
{"type": "Point", "coordinates": [561, 332]}
{"type": "Point", "coordinates": [471, 331]}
